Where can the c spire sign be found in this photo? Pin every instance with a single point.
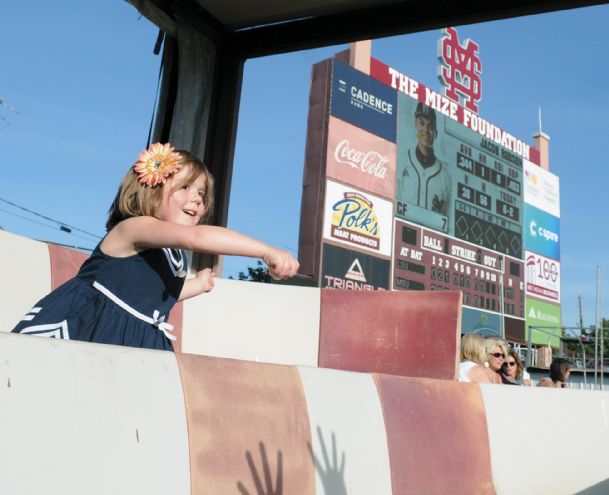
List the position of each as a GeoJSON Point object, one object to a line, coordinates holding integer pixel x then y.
{"type": "Point", "coordinates": [460, 69]}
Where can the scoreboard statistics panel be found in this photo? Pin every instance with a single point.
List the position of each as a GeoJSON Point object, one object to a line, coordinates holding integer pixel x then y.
{"type": "Point", "coordinates": [427, 260]}
{"type": "Point", "coordinates": [485, 203]}
{"type": "Point", "coordinates": [489, 192]}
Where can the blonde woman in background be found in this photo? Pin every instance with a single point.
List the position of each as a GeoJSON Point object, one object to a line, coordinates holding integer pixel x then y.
{"type": "Point", "coordinates": [473, 356]}
{"type": "Point", "coordinates": [496, 352]}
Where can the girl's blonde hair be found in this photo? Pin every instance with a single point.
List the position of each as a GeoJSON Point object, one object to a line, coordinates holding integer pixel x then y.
{"type": "Point", "coordinates": [472, 348]}
{"type": "Point", "coordinates": [135, 199]}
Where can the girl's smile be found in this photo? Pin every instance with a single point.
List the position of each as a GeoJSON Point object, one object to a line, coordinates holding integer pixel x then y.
{"type": "Point", "coordinates": [183, 206]}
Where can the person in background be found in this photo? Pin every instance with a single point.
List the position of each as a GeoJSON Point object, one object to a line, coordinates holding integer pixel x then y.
{"type": "Point", "coordinates": [495, 355]}
{"type": "Point", "coordinates": [514, 370]}
{"type": "Point", "coordinates": [471, 368]}
{"type": "Point", "coordinates": [560, 370]}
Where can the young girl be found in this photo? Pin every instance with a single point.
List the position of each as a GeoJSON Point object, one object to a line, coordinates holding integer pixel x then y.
{"type": "Point", "coordinates": [123, 293]}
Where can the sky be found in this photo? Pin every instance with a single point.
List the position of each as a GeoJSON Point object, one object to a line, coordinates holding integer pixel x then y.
{"type": "Point", "coordinates": [78, 85]}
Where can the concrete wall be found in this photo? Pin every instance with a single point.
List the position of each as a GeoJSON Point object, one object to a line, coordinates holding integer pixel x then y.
{"type": "Point", "coordinates": [404, 333]}
{"type": "Point", "coordinates": [26, 277]}
{"type": "Point", "coordinates": [80, 418]}
{"type": "Point", "coordinates": [88, 418]}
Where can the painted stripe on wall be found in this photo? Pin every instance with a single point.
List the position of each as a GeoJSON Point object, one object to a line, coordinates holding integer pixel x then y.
{"type": "Point", "coordinates": [90, 418]}
{"type": "Point", "coordinates": [26, 277]}
{"type": "Point", "coordinates": [65, 264]}
{"type": "Point", "coordinates": [437, 437]}
{"type": "Point", "coordinates": [175, 319]}
{"type": "Point", "coordinates": [552, 441]}
{"type": "Point", "coordinates": [256, 322]}
{"type": "Point", "coordinates": [242, 417]}
{"type": "Point", "coordinates": [348, 433]}
{"type": "Point", "coordinates": [404, 333]}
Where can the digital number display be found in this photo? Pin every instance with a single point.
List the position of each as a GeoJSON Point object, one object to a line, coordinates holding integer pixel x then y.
{"type": "Point", "coordinates": [428, 260]}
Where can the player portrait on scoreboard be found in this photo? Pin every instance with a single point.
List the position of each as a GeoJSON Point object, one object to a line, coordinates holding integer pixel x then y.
{"type": "Point", "coordinates": [424, 186]}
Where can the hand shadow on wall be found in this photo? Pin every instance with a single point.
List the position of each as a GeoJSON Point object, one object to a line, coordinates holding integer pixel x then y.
{"type": "Point", "coordinates": [332, 476]}
{"type": "Point", "coordinates": [266, 470]}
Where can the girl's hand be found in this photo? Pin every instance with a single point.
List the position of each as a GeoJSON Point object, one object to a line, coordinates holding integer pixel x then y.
{"type": "Point", "coordinates": [205, 280]}
{"type": "Point", "coordinates": [202, 282]}
{"type": "Point", "coordinates": [281, 264]}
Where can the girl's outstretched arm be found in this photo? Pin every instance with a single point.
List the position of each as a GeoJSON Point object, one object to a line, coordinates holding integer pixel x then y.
{"type": "Point", "coordinates": [138, 233]}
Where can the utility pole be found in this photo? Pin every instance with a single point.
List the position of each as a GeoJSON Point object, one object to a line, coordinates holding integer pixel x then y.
{"type": "Point", "coordinates": [600, 321]}
{"type": "Point", "coordinates": [581, 333]}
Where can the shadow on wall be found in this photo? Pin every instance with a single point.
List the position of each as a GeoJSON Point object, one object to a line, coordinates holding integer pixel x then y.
{"type": "Point", "coordinates": [601, 488]}
{"type": "Point", "coordinates": [266, 471]}
{"type": "Point", "coordinates": [331, 474]}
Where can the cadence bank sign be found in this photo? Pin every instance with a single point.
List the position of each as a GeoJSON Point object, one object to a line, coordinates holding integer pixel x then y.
{"type": "Point", "coordinates": [460, 72]}
{"type": "Point", "coordinates": [360, 158]}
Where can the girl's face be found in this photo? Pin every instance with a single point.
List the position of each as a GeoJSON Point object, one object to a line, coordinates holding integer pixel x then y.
{"type": "Point", "coordinates": [183, 206]}
{"type": "Point", "coordinates": [496, 358]}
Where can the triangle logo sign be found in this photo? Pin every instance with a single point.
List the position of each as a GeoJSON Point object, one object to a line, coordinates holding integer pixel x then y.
{"type": "Point", "coordinates": [355, 272]}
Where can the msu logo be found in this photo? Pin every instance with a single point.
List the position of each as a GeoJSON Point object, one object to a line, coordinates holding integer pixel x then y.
{"type": "Point", "coordinates": [461, 69]}
{"type": "Point", "coordinates": [438, 205]}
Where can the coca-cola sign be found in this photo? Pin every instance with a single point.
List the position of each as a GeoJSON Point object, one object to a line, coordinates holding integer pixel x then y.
{"type": "Point", "coordinates": [369, 162]}
{"type": "Point", "coordinates": [360, 158]}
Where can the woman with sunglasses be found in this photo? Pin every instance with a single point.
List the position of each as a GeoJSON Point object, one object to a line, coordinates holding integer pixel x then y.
{"type": "Point", "coordinates": [514, 370]}
{"type": "Point", "coordinates": [496, 352]}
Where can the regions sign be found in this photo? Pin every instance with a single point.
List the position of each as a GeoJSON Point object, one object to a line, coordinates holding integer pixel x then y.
{"type": "Point", "coordinates": [364, 102]}
{"type": "Point", "coordinates": [543, 322]}
{"type": "Point", "coordinates": [357, 218]}
{"type": "Point", "coordinates": [360, 158]}
{"type": "Point", "coordinates": [451, 180]}
{"type": "Point", "coordinates": [542, 232]}
{"type": "Point", "coordinates": [541, 189]}
{"type": "Point", "coordinates": [348, 270]}
{"type": "Point", "coordinates": [542, 277]}
{"type": "Point", "coordinates": [427, 260]}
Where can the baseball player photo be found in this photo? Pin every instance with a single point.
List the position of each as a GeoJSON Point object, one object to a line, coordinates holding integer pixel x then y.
{"type": "Point", "coordinates": [423, 181]}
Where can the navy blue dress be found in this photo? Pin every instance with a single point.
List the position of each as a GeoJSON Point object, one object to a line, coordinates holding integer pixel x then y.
{"type": "Point", "coordinates": [123, 301]}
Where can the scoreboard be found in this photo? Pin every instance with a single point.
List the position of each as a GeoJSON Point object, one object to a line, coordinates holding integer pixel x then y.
{"type": "Point", "coordinates": [391, 202]}
{"type": "Point", "coordinates": [428, 260]}
{"type": "Point", "coordinates": [486, 200]}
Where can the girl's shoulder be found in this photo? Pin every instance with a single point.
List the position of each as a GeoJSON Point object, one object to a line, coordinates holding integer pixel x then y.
{"type": "Point", "coordinates": [121, 240]}
{"type": "Point", "coordinates": [480, 374]}
{"type": "Point", "coordinates": [546, 382]}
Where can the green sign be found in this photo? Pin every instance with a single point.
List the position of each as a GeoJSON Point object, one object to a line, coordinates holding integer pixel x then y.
{"type": "Point", "coordinates": [542, 322]}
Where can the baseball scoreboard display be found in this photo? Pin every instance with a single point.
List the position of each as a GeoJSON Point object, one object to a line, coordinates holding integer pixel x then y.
{"type": "Point", "coordinates": [473, 191]}
{"type": "Point", "coordinates": [406, 189]}
{"type": "Point", "coordinates": [428, 260]}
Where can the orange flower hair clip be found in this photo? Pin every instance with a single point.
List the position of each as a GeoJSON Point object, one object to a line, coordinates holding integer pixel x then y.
{"type": "Point", "coordinates": [155, 164]}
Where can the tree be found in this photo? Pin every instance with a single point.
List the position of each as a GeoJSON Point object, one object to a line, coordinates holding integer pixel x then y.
{"type": "Point", "coordinates": [4, 108]}
{"type": "Point", "coordinates": [256, 274]}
